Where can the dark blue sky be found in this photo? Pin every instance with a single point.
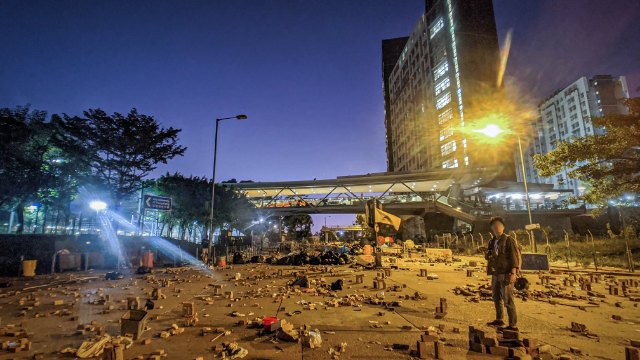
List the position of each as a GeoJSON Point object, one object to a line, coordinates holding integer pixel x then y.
{"type": "Point", "coordinates": [307, 73]}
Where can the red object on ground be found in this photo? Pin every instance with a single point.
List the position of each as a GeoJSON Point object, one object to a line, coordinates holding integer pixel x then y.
{"type": "Point", "coordinates": [147, 259]}
{"type": "Point", "coordinates": [221, 261]}
{"type": "Point", "coordinates": [268, 321]}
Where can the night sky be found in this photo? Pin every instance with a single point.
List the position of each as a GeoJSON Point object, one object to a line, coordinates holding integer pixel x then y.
{"type": "Point", "coordinates": [306, 73]}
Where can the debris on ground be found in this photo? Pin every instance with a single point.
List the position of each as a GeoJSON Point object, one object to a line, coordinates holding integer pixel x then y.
{"type": "Point", "coordinates": [233, 351]}
{"type": "Point", "coordinates": [113, 275]}
{"type": "Point", "coordinates": [311, 338]}
{"type": "Point", "coordinates": [286, 331]}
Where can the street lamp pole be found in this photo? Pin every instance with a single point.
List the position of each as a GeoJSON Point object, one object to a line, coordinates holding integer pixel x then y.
{"type": "Point", "coordinates": [213, 179]}
{"type": "Point", "coordinates": [524, 178]}
{"type": "Point", "coordinates": [526, 191]}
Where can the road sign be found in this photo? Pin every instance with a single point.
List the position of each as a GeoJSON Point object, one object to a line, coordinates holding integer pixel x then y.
{"type": "Point", "coordinates": [532, 227]}
{"type": "Point", "coordinates": [156, 202]}
{"type": "Point", "coordinates": [534, 262]}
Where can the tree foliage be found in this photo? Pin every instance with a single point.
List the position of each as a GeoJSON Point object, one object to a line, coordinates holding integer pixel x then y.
{"type": "Point", "coordinates": [232, 210]}
{"type": "Point", "coordinates": [191, 204]}
{"type": "Point", "coordinates": [46, 161]}
{"type": "Point", "coordinates": [609, 161]}
{"type": "Point", "coordinates": [24, 141]}
{"type": "Point", "coordinates": [368, 233]}
{"type": "Point", "coordinates": [121, 149]}
{"type": "Point", "coordinates": [35, 164]}
{"type": "Point", "coordinates": [190, 197]}
{"type": "Point", "coordinates": [298, 226]}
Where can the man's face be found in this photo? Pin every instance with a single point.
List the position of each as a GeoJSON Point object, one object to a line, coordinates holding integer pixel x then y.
{"type": "Point", "coordinates": [497, 228]}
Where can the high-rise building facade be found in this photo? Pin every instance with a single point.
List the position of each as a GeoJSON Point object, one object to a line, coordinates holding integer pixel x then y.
{"type": "Point", "coordinates": [391, 51]}
{"type": "Point", "coordinates": [451, 53]}
{"type": "Point", "coordinates": [567, 113]}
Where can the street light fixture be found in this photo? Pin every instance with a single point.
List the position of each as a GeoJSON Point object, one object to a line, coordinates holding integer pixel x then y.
{"type": "Point", "coordinates": [490, 130]}
{"type": "Point", "coordinates": [98, 205]}
{"type": "Point", "coordinates": [493, 130]}
{"type": "Point", "coordinates": [213, 177]}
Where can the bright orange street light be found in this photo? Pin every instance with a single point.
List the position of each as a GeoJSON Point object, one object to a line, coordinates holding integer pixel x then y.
{"type": "Point", "coordinates": [490, 130]}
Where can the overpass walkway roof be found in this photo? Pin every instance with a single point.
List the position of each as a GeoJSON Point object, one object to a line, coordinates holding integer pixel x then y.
{"type": "Point", "coordinates": [429, 181]}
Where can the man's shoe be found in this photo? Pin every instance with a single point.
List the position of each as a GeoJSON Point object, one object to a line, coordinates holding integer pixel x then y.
{"type": "Point", "coordinates": [496, 323]}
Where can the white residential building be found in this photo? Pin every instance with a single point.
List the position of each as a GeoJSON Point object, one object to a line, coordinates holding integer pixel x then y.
{"type": "Point", "coordinates": [567, 113]}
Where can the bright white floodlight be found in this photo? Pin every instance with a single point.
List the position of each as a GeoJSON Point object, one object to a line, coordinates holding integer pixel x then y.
{"type": "Point", "coordinates": [98, 205]}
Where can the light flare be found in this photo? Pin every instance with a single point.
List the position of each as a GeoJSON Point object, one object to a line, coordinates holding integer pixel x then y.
{"type": "Point", "coordinates": [504, 55]}
{"type": "Point", "coordinates": [167, 248]}
{"type": "Point", "coordinates": [490, 130]}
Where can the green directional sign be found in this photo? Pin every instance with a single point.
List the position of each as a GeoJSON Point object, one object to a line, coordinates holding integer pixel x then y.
{"type": "Point", "coordinates": [156, 202]}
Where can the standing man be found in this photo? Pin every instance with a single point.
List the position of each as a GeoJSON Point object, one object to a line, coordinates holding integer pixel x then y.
{"type": "Point", "coordinates": [503, 256]}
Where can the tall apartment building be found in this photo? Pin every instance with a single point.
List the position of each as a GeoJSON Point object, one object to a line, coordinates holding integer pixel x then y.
{"type": "Point", "coordinates": [391, 51]}
{"type": "Point", "coordinates": [567, 113]}
{"type": "Point", "coordinates": [451, 53]}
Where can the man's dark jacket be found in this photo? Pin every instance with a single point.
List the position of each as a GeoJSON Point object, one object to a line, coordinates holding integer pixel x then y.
{"type": "Point", "coordinates": [506, 258]}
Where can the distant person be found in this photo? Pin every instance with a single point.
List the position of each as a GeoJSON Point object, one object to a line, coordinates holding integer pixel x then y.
{"type": "Point", "coordinates": [503, 256]}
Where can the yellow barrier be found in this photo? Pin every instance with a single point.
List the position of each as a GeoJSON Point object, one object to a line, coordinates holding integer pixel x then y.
{"type": "Point", "coordinates": [29, 267]}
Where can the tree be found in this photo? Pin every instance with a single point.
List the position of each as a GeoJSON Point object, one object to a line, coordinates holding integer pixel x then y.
{"type": "Point", "coordinates": [65, 174]}
{"type": "Point", "coordinates": [232, 210]}
{"type": "Point", "coordinates": [298, 226]}
{"type": "Point", "coordinates": [23, 143]}
{"type": "Point", "coordinates": [190, 198]}
{"type": "Point", "coordinates": [368, 233]}
{"type": "Point", "coordinates": [191, 204]}
{"type": "Point", "coordinates": [33, 165]}
{"type": "Point", "coordinates": [609, 162]}
{"type": "Point", "coordinates": [121, 150]}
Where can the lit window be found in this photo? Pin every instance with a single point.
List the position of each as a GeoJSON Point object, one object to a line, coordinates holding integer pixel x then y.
{"type": "Point", "coordinates": [451, 163]}
{"type": "Point", "coordinates": [446, 132]}
{"type": "Point", "coordinates": [445, 116]}
{"type": "Point", "coordinates": [443, 101]}
{"type": "Point", "coordinates": [439, 24]}
{"type": "Point", "coordinates": [466, 161]}
{"type": "Point", "coordinates": [448, 148]}
{"type": "Point", "coordinates": [442, 85]}
{"type": "Point", "coordinates": [440, 70]}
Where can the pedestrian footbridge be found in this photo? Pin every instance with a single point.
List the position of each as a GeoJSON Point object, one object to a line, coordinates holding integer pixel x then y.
{"type": "Point", "coordinates": [464, 194]}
